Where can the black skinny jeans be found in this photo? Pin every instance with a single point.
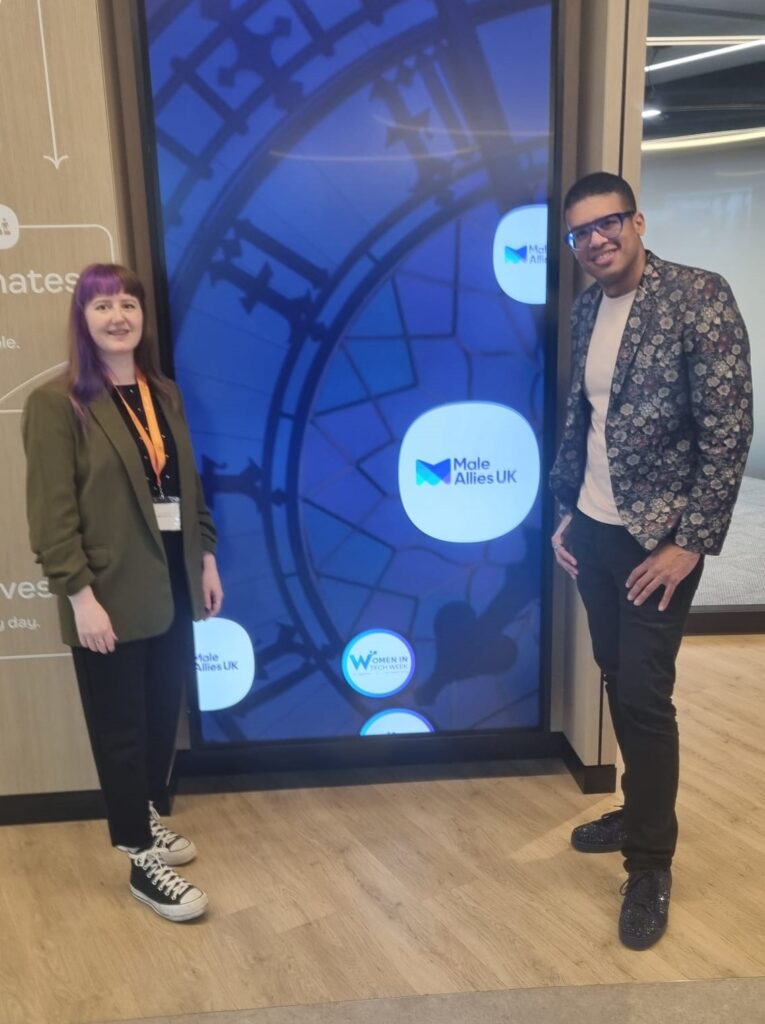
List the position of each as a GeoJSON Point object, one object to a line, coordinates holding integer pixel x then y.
{"type": "Point", "coordinates": [635, 649]}
{"type": "Point", "coordinates": [132, 701]}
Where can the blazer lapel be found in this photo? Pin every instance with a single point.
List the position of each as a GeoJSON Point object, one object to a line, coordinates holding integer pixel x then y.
{"type": "Point", "coordinates": [104, 411]}
{"type": "Point", "coordinates": [639, 318]}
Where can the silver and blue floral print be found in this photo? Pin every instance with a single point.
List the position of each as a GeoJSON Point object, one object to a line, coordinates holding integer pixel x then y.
{"type": "Point", "coordinates": [679, 421]}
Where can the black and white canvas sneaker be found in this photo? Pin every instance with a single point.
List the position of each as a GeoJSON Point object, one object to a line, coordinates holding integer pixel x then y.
{"type": "Point", "coordinates": [154, 883]}
{"type": "Point", "coordinates": [174, 849]}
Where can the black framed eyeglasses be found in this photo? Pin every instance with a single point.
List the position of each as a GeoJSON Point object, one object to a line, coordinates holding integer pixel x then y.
{"type": "Point", "coordinates": [609, 226]}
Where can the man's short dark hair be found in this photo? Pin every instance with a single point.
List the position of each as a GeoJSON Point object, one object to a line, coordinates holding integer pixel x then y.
{"type": "Point", "coordinates": [599, 184]}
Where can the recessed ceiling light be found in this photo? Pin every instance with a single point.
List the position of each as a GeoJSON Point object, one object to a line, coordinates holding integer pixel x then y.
{"type": "Point", "coordinates": [703, 140]}
{"type": "Point", "coordinates": [699, 40]}
{"type": "Point", "coordinates": [704, 55]}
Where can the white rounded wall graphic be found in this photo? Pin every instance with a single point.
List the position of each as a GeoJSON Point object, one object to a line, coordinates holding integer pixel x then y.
{"type": "Point", "coordinates": [225, 663]}
{"type": "Point", "coordinates": [9, 227]}
{"type": "Point", "coordinates": [378, 663]}
{"type": "Point", "coordinates": [468, 471]}
{"type": "Point", "coordinates": [520, 254]}
{"type": "Point", "coordinates": [395, 721]}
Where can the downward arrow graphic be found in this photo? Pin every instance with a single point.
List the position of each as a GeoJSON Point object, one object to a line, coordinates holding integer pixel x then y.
{"type": "Point", "coordinates": [55, 159]}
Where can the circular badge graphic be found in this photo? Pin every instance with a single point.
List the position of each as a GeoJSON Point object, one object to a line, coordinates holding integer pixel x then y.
{"type": "Point", "coordinates": [378, 663]}
{"type": "Point", "coordinates": [395, 721]}
{"type": "Point", "coordinates": [9, 227]}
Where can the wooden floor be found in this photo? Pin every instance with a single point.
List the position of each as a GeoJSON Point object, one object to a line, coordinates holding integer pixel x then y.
{"type": "Point", "coordinates": [399, 889]}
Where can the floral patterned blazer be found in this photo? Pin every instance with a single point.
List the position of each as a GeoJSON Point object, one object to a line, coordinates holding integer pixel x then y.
{"type": "Point", "coordinates": [679, 420]}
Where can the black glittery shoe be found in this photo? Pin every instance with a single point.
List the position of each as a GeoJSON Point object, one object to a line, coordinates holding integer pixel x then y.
{"type": "Point", "coordinates": [606, 835]}
{"type": "Point", "coordinates": [645, 909]}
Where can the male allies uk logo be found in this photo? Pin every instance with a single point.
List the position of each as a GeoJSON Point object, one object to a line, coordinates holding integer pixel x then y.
{"type": "Point", "coordinates": [484, 484]}
{"type": "Point", "coordinates": [438, 473]}
{"type": "Point", "coordinates": [520, 254]}
{"type": "Point", "coordinates": [516, 255]}
{"type": "Point", "coordinates": [225, 663]}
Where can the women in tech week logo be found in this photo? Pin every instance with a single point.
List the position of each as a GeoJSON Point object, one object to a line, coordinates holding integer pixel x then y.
{"type": "Point", "coordinates": [380, 663]}
{"type": "Point", "coordinates": [468, 498]}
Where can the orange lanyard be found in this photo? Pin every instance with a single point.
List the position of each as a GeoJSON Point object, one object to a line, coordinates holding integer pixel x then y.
{"type": "Point", "coordinates": [152, 441]}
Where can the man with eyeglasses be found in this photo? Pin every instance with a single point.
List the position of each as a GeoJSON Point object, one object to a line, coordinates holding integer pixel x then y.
{"type": "Point", "coordinates": [658, 426]}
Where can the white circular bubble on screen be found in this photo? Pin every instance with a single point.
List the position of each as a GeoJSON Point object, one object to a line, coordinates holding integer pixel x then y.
{"type": "Point", "coordinates": [468, 471]}
{"type": "Point", "coordinates": [225, 663]}
{"type": "Point", "coordinates": [9, 227]}
{"type": "Point", "coordinates": [520, 254]}
{"type": "Point", "coordinates": [378, 662]}
{"type": "Point", "coordinates": [395, 721]}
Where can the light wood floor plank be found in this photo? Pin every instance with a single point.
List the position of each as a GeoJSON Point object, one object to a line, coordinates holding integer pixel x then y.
{"type": "Point", "coordinates": [351, 892]}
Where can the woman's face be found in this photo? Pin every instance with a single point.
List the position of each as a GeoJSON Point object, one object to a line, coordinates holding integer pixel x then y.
{"type": "Point", "coordinates": [115, 323]}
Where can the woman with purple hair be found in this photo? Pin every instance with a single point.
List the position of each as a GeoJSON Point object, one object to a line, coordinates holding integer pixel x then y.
{"type": "Point", "coordinates": [118, 522]}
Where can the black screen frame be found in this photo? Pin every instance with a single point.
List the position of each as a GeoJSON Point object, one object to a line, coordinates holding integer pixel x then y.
{"type": "Point", "coordinates": [206, 757]}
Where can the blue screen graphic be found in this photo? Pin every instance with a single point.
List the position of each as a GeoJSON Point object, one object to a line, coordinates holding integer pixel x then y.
{"type": "Point", "coordinates": [332, 176]}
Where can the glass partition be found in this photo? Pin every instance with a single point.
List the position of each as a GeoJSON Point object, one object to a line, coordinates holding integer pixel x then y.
{"type": "Point", "coordinates": [703, 194]}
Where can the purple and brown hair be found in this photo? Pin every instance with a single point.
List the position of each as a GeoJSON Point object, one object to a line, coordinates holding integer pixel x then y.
{"type": "Point", "coordinates": [86, 376]}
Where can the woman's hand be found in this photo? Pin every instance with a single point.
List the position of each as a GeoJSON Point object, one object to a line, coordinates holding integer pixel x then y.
{"type": "Point", "coordinates": [94, 627]}
{"type": "Point", "coordinates": [212, 589]}
{"type": "Point", "coordinates": [563, 556]}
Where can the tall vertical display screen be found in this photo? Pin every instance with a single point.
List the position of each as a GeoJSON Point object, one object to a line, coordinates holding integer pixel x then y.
{"type": "Point", "coordinates": [353, 199]}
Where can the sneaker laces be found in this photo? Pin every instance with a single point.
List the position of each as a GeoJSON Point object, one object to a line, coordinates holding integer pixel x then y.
{"type": "Point", "coordinates": [162, 835]}
{"type": "Point", "coordinates": [643, 895]}
{"type": "Point", "coordinates": [159, 874]}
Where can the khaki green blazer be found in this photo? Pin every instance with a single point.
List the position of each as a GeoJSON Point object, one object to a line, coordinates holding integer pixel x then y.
{"type": "Point", "coordinates": [91, 518]}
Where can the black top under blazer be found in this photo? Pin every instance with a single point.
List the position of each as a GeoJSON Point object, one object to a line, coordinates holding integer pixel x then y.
{"type": "Point", "coordinates": [91, 517]}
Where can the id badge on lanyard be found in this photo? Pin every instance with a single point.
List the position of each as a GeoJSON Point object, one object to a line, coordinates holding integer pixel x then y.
{"type": "Point", "coordinates": [168, 513]}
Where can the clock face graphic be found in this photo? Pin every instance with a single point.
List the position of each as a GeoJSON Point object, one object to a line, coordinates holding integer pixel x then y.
{"type": "Point", "coordinates": [332, 176]}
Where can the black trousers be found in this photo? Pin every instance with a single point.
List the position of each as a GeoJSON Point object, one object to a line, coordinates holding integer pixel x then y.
{"type": "Point", "coordinates": [636, 649]}
{"type": "Point", "coordinates": [132, 700]}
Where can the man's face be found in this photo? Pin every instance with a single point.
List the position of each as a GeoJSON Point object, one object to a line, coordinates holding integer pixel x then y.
{"type": "Point", "coordinates": [615, 263]}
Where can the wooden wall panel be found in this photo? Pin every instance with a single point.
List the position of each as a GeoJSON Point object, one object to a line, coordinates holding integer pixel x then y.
{"type": "Point", "coordinates": [602, 131]}
{"type": "Point", "coordinates": [58, 181]}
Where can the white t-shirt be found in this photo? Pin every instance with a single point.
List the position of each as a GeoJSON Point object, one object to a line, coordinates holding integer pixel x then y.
{"type": "Point", "coordinates": [596, 497]}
